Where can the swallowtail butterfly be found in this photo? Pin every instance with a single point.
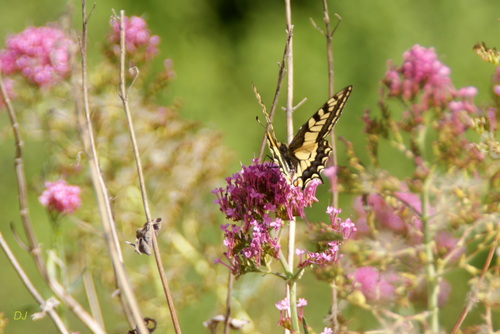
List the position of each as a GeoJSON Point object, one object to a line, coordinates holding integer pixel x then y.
{"type": "Point", "coordinates": [302, 160]}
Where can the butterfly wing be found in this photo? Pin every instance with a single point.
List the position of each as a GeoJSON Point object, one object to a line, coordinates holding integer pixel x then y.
{"type": "Point", "coordinates": [279, 151]}
{"type": "Point", "coordinates": [309, 150]}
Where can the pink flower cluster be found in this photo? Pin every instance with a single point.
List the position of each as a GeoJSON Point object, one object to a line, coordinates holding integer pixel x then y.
{"type": "Point", "coordinates": [40, 54]}
{"type": "Point", "coordinates": [423, 82]}
{"type": "Point", "coordinates": [261, 199]}
{"type": "Point", "coordinates": [60, 197]}
{"type": "Point", "coordinates": [328, 253]}
{"type": "Point", "coordinates": [138, 38]}
{"type": "Point", "coordinates": [421, 70]}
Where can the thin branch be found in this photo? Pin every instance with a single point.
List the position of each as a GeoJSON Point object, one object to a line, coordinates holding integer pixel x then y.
{"type": "Point", "coordinates": [145, 202]}
{"type": "Point", "coordinates": [328, 34]}
{"type": "Point", "coordinates": [291, 290]}
{"type": "Point", "coordinates": [31, 288]}
{"type": "Point", "coordinates": [227, 315]}
{"type": "Point", "coordinates": [101, 192]}
{"type": "Point", "coordinates": [33, 245]}
{"type": "Point", "coordinates": [130, 124]}
{"type": "Point", "coordinates": [95, 308]}
{"type": "Point", "coordinates": [471, 298]}
{"type": "Point", "coordinates": [281, 75]}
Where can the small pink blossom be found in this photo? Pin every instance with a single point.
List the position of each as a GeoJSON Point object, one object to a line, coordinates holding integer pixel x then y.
{"type": "Point", "coordinates": [284, 305]}
{"type": "Point", "coordinates": [327, 330]}
{"type": "Point", "coordinates": [41, 54]}
{"type": "Point", "coordinates": [301, 302]}
{"type": "Point", "coordinates": [60, 197]}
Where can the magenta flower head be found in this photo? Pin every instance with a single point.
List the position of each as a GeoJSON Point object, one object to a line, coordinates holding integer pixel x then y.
{"type": "Point", "coordinates": [60, 197]}
{"type": "Point", "coordinates": [40, 54]}
{"type": "Point", "coordinates": [259, 189]}
{"type": "Point", "coordinates": [259, 197]}
{"type": "Point", "coordinates": [139, 43]}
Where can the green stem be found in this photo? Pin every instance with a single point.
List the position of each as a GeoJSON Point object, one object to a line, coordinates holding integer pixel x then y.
{"type": "Point", "coordinates": [60, 264]}
{"type": "Point", "coordinates": [292, 285]}
{"type": "Point", "coordinates": [284, 264]}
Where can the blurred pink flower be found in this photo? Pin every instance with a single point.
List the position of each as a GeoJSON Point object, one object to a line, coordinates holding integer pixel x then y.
{"type": "Point", "coordinates": [374, 285]}
{"type": "Point", "coordinates": [419, 293]}
{"type": "Point", "coordinates": [386, 215]}
{"type": "Point", "coordinates": [38, 53]}
{"type": "Point", "coordinates": [496, 90]}
{"type": "Point", "coordinates": [60, 197]}
{"type": "Point", "coordinates": [447, 245]}
{"type": "Point", "coordinates": [138, 38]}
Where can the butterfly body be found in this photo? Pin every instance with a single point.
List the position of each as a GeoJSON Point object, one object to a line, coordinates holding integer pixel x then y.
{"type": "Point", "coordinates": [303, 159]}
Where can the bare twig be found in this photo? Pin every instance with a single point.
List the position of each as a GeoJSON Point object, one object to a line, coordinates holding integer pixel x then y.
{"type": "Point", "coordinates": [328, 33]}
{"type": "Point", "coordinates": [142, 183]}
{"type": "Point", "coordinates": [228, 303]}
{"type": "Point", "coordinates": [33, 245]}
{"type": "Point", "coordinates": [31, 288]}
{"type": "Point", "coordinates": [101, 192]}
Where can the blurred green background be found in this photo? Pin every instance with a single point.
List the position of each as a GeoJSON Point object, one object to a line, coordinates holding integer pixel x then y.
{"type": "Point", "coordinates": [218, 48]}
